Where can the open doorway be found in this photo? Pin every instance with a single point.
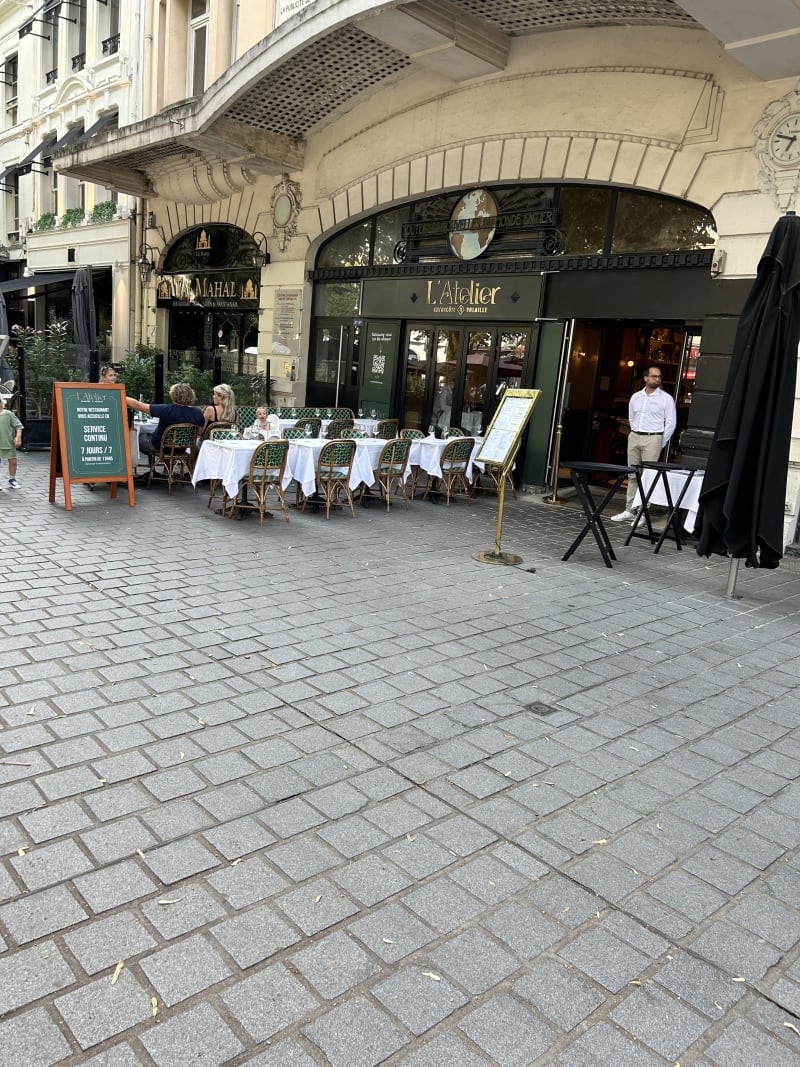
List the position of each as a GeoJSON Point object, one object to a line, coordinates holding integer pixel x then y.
{"type": "Point", "coordinates": [606, 365]}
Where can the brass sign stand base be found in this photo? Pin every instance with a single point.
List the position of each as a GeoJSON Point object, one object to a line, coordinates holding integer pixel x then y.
{"type": "Point", "coordinates": [554, 498]}
{"type": "Point", "coordinates": [507, 559]}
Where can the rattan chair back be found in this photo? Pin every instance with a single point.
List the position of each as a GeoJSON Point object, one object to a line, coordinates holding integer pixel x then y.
{"type": "Point", "coordinates": [453, 431]}
{"type": "Point", "coordinates": [352, 435]}
{"type": "Point", "coordinates": [220, 432]}
{"type": "Point", "coordinates": [293, 434]}
{"type": "Point", "coordinates": [391, 469]}
{"type": "Point", "coordinates": [177, 454]}
{"type": "Point", "coordinates": [387, 428]}
{"type": "Point", "coordinates": [412, 435]}
{"type": "Point", "coordinates": [336, 428]}
{"type": "Point", "coordinates": [314, 423]}
{"type": "Point", "coordinates": [455, 464]}
{"type": "Point", "coordinates": [334, 467]}
{"type": "Point", "coordinates": [267, 468]}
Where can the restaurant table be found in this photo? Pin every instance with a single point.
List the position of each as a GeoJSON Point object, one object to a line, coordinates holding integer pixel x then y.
{"type": "Point", "coordinates": [229, 462]}
{"type": "Point", "coordinates": [143, 426]}
{"type": "Point", "coordinates": [426, 453]}
{"type": "Point", "coordinates": [593, 509]}
{"type": "Point", "coordinates": [675, 487]}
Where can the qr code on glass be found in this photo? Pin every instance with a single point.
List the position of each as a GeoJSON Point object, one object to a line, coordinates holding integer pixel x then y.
{"type": "Point", "coordinates": [378, 363]}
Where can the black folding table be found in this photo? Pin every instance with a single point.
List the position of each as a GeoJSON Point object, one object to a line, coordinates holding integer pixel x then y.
{"type": "Point", "coordinates": [593, 509]}
{"type": "Point", "coordinates": [662, 472]}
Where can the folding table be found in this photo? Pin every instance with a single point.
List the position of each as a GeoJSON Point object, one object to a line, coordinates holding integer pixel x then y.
{"type": "Point", "coordinates": [665, 480]}
{"type": "Point", "coordinates": [593, 509]}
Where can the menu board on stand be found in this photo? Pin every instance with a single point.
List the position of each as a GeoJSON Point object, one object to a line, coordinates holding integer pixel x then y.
{"type": "Point", "coordinates": [89, 438]}
{"type": "Point", "coordinates": [499, 450]}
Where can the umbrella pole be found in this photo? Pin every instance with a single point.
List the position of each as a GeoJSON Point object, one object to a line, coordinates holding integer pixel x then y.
{"type": "Point", "coordinates": [733, 574]}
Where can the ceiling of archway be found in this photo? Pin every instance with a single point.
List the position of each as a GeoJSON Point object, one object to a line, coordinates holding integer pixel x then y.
{"type": "Point", "coordinates": [255, 118]}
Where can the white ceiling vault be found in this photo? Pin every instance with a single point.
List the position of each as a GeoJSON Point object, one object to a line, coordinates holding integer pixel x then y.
{"type": "Point", "coordinates": [256, 117]}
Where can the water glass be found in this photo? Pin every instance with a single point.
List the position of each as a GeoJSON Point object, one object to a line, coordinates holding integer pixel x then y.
{"type": "Point", "coordinates": [308, 431]}
{"type": "Point", "coordinates": [318, 413]}
{"type": "Point", "coordinates": [373, 413]}
{"type": "Point", "coordinates": [432, 430]}
{"type": "Point", "coordinates": [361, 413]}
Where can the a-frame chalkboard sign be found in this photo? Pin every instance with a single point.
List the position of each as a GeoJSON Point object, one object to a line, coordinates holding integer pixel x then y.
{"type": "Point", "coordinates": [89, 438]}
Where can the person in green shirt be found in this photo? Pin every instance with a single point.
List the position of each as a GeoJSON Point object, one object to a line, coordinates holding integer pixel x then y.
{"type": "Point", "coordinates": [10, 441]}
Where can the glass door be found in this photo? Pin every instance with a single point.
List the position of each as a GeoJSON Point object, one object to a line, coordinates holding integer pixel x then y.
{"type": "Point", "coordinates": [494, 363]}
{"type": "Point", "coordinates": [333, 368]}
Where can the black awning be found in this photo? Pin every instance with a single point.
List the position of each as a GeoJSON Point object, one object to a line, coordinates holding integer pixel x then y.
{"type": "Point", "coordinates": [73, 134]}
{"type": "Point", "coordinates": [37, 281]}
{"type": "Point", "coordinates": [103, 123]}
{"type": "Point", "coordinates": [44, 148]}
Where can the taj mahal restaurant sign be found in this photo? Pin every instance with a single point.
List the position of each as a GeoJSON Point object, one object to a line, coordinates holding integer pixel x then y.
{"type": "Point", "coordinates": [228, 289]}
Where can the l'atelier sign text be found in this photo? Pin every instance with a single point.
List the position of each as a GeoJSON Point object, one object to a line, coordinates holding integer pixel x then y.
{"type": "Point", "coordinates": [448, 296]}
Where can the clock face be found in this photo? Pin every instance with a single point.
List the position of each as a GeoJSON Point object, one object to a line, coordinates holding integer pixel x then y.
{"type": "Point", "coordinates": [784, 142]}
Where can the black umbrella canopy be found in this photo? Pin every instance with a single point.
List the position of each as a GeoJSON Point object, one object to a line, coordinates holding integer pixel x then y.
{"type": "Point", "coordinates": [84, 319]}
{"type": "Point", "coordinates": [745, 482]}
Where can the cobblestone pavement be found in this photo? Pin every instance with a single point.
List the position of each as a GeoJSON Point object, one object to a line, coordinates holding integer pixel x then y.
{"type": "Point", "coordinates": [335, 793]}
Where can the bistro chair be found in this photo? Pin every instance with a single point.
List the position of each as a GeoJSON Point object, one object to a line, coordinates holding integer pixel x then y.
{"type": "Point", "coordinates": [336, 428]}
{"type": "Point", "coordinates": [267, 468]}
{"type": "Point", "coordinates": [334, 467]}
{"type": "Point", "coordinates": [413, 435]}
{"type": "Point", "coordinates": [314, 423]}
{"type": "Point", "coordinates": [387, 428]}
{"type": "Point", "coordinates": [352, 435]}
{"type": "Point", "coordinates": [453, 431]}
{"type": "Point", "coordinates": [293, 434]}
{"type": "Point", "coordinates": [220, 433]}
{"type": "Point", "coordinates": [212, 426]}
{"type": "Point", "coordinates": [176, 455]}
{"type": "Point", "coordinates": [454, 463]}
{"type": "Point", "coordinates": [391, 469]}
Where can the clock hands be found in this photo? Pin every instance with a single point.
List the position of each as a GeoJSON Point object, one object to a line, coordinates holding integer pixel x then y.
{"type": "Point", "coordinates": [786, 137]}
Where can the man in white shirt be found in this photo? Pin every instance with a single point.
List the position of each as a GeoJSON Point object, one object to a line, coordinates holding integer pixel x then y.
{"type": "Point", "coordinates": [651, 413]}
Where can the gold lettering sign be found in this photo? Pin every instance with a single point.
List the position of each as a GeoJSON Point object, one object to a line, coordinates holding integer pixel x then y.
{"type": "Point", "coordinates": [453, 296]}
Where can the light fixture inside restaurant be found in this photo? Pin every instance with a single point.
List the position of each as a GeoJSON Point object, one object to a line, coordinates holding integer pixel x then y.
{"type": "Point", "coordinates": [146, 262]}
{"type": "Point", "coordinates": [202, 248]}
{"type": "Point", "coordinates": [260, 256]}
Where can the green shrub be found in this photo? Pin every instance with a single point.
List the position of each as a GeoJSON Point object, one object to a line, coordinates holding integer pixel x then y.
{"type": "Point", "coordinates": [73, 216]}
{"type": "Point", "coordinates": [137, 372]}
{"type": "Point", "coordinates": [45, 222]}
{"type": "Point", "coordinates": [103, 212]}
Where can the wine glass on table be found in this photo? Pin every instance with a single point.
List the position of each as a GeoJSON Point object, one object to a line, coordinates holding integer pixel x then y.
{"type": "Point", "coordinates": [308, 430]}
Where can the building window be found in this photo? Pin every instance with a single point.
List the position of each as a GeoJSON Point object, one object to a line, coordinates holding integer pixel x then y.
{"type": "Point", "coordinates": [198, 47]}
{"type": "Point", "coordinates": [12, 188]}
{"type": "Point", "coordinates": [54, 195]}
{"type": "Point", "coordinates": [109, 28]}
{"type": "Point", "coordinates": [10, 70]}
{"type": "Point", "coordinates": [77, 34]}
{"type": "Point", "coordinates": [50, 45]}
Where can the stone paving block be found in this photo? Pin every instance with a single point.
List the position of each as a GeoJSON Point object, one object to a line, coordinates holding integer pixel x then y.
{"type": "Point", "coordinates": [303, 858]}
{"type": "Point", "coordinates": [68, 783]}
{"type": "Point", "coordinates": [371, 879]}
{"type": "Point", "coordinates": [115, 841]}
{"type": "Point", "coordinates": [567, 902]}
{"type": "Point", "coordinates": [125, 765]}
{"type": "Point", "coordinates": [418, 1000]}
{"type": "Point", "coordinates": [334, 965]}
{"type": "Point", "coordinates": [461, 835]}
{"type": "Point", "coordinates": [610, 879]}
{"type": "Point", "coordinates": [98, 1011]}
{"type": "Point", "coordinates": [736, 951]}
{"type": "Point", "coordinates": [420, 857]}
{"type": "Point", "coordinates": [50, 864]}
{"type": "Point", "coordinates": [247, 882]}
{"type": "Point", "coordinates": [486, 878]}
{"type": "Point", "coordinates": [392, 932]}
{"type": "Point", "coordinates": [475, 961]}
{"type": "Point", "coordinates": [116, 801]}
{"type": "Point", "coordinates": [188, 967]}
{"type": "Point", "coordinates": [524, 929]}
{"type": "Point", "coordinates": [337, 800]}
{"type": "Point", "coordinates": [356, 1034]}
{"type": "Point", "coordinates": [279, 784]}
{"type": "Point", "coordinates": [541, 799]}
{"type": "Point", "coordinates": [255, 935]}
{"type": "Point", "coordinates": [396, 816]}
{"type": "Point", "coordinates": [178, 860]}
{"type": "Point", "coordinates": [269, 1001]}
{"type": "Point", "coordinates": [642, 907]}
{"type": "Point", "coordinates": [239, 837]}
{"type": "Point", "coordinates": [33, 1039]}
{"type": "Point", "coordinates": [119, 884]}
{"type": "Point", "coordinates": [659, 1021]}
{"type": "Point", "coordinates": [445, 1049]}
{"type": "Point", "coordinates": [442, 904]}
{"type": "Point", "coordinates": [353, 835]}
{"type": "Point", "coordinates": [291, 817]}
{"type": "Point", "coordinates": [283, 1054]}
{"type": "Point", "coordinates": [197, 1036]}
{"type": "Point", "coordinates": [635, 933]}
{"type": "Point", "coordinates": [743, 1043]}
{"type": "Point", "coordinates": [30, 974]}
{"type": "Point", "coordinates": [605, 959]}
{"type": "Point", "coordinates": [40, 914]}
{"type": "Point", "coordinates": [55, 820]}
{"type": "Point", "coordinates": [687, 895]}
{"type": "Point", "coordinates": [176, 912]}
{"type": "Point", "coordinates": [559, 993]}
{"type": "Point", "coordinates": [101, 944]}
{"type": "Point", "coordinates": [176, 819]}
{"type": "Point", "coordinates": [767, 918]}
{"type": "Point", "coordinates": [316, 906]}
{"type": "Point", "coordinates": [641, 851]}
{"type": "Point", "coordinates": [604, 1046]}
{"type": "Point", "coordinates": [508, 1032]}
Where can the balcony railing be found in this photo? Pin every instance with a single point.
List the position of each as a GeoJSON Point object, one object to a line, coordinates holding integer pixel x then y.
{"type": "Point", "coordinates": [51, 76]}
{"type": "Point", "coordinates": [79, 61]}
{"type": "Point", "coordinates": [111, 45]}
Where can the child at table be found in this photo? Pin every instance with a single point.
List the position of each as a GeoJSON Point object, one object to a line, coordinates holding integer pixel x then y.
{"type": "Point", "coordinates": [261, 425]}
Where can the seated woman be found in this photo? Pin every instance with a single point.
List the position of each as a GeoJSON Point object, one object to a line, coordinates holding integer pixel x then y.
{"type": "Point", "coordinates": [222, 408]}
{"type": "Point", "coordinates": [179, 409]}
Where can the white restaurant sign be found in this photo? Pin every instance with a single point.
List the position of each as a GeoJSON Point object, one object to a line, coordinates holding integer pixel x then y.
{"type": "Point", "coordinates": [285, 9]}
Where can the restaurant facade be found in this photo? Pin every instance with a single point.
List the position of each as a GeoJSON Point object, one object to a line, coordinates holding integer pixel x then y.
{"type": "Point", "coordinates": [453, 199]}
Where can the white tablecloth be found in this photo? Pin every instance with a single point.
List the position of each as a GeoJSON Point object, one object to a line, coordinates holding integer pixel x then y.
{"type": "Point", "coordinates": [426, 453]}
{"type": "Point", "coordinates": [676, 480]}
{"type": "Point", "coordinates": [367, 425]}
{"type": "Point", "coordinates": [148, 426]}
{"type": "Point", "coordinates": [229, 461]}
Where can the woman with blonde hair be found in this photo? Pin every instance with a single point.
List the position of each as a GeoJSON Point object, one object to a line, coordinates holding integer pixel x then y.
{"type": "Point", "coordinates": [222, 407]}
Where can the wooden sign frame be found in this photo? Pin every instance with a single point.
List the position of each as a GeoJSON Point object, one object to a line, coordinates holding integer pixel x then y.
{"type": "Point", "coordinates": [90, 442]}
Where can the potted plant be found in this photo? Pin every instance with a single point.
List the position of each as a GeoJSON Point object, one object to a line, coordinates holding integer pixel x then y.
{"type": "Point", "coordinates": [45, 222]}
{"type": "Point", "coordinates": [103, 212]}
{"type": "Point", "coordinates": [73, 216]}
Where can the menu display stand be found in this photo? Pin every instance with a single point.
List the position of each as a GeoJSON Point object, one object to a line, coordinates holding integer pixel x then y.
{"type": "Point", "coordinates": [89, 438]}
{"type": "Point", "coordinates": [499, 449]}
